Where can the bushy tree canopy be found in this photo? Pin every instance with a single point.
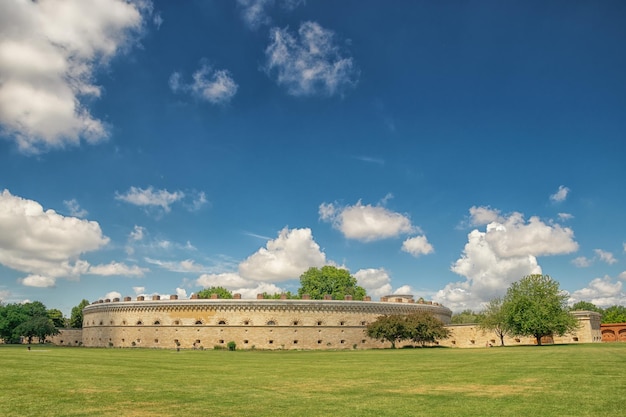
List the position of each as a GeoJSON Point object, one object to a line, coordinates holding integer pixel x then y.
{"type": "Point", "coordinates": [535, 306]}
{"type": "Point", "coordinates": [614, 314]}
{"type": "Point", "coordinates": [420, 327]}
{"type": "Point", "coordinates": [494, 318]}
{"type": "Point", "coordinates": [329, 280]}
{"type": "Point", "coordinates": [25, 320]}
{"type": "Point", "coordinates": [465, 317]}
{"type": "Point", "coordinates": [76, 319]}
{"type": "Point", "coordinates": [220, 291]}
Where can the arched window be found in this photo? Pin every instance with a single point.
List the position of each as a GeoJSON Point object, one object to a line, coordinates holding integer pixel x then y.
{"type": "Point", "coordinates": [139, 323]}
{"type": "Point", "coordinates": [271, 323]}
{"type": "Point", "coordinates": [198, 321]}
{"type": "Point", "coordinates": [221, 322]}
{"type": "Point", "coordinates": [156, 322]}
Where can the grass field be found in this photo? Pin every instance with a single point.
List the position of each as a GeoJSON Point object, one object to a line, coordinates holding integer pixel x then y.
{"type": "Point", "coordinates": [559, 380]}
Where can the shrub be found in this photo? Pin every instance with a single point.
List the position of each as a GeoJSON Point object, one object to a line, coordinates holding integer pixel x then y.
{"type": "Point", "coordinates": [231, 345]}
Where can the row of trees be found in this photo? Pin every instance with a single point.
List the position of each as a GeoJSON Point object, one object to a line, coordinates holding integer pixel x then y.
{"type": "Point", "coordinates": [34, 320]}
{"type": "Point", "coordinates": [28, 320]}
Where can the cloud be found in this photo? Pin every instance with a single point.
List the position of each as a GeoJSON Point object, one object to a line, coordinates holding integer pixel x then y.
{"type": "Point", "coordinates": [139, 290]}
{"type": "Point", "coordinates": [187, 265]}
{"type": "Point", "coordinates": [480, 216]}
{"type": "Point", "coordinates": [228, 280]}
{"type": "Point", "coordinates": [214, 86]}
{"type": "Point", "coordinates": [605, 256]}
{"type": "Point", "coordinates": [112, 294]}
{"type": "Point", "coordinates": [417, 246]}
{"type": "Point", "coordinates": [42, 243]}
{"type": "Point", "coordinates": [38, 281]}
{"type": "Point", "coordinates": [582, 262]}
{"type": "Point", "coordinates": [181, 293]}
{"type": "Point", "coordinates": [602, 292]}
{"type": "Point", "coordinates": [286, 257]}
{"type": "Point", "coordinates": [248, 288]}
{"type": "Point", "coordinates": [309, 63]}
{"type": "Point", "coordinates": [365, 222]}
{"type": "Point", "coordinates": [376, 281]}
{"type": "Point", "coordinates": [117, 268]}
{"type": "Point", "coordinates": [503, 253]}
{"type": "Point", "coordinates": [560, 195]}
{"type": "Point", "coordinates": [255, 12]}
{"type": "Point", "coordinates": [50, 53]}
{"type": "Point", "coordinates": [74, 208]}
{"type": "Point", "coordinates": [565, 216]}
{"type": "Point", "coordinates": [622, 276]}
{"type": "Point", "coordinates": [150, 198]}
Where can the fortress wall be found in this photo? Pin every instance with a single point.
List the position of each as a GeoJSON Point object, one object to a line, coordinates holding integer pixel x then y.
{"type": "Point", "coordinates": [469, 335]}
{"type": "Point", "coordinates": [260, 324]}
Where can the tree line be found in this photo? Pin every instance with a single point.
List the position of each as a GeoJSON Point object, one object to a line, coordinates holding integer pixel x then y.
{"type": "Point", "coordinates": [26, 321]}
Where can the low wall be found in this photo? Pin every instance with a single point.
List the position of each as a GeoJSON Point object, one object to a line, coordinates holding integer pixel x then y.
{"type": "Point", "coordinates": [470, 335]}
{"type": "Point", "coordinates": [614, 332]}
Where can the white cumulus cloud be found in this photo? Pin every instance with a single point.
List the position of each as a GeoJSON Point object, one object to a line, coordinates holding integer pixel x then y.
{"type": "Point", "coordinates": [376, 281]}
{"type": "Point", "coordinates": [582, 262]}
{"type": "Point", "coordinates": [602, 292]}
{"type": "Point", "coordinates": [38, 281]}
{"type": "Point", "coordinates": [50, 52]}
{"type": "Point", "coordinates": [366, 222]}
{"type": "Point", "coordinates": [503, 253]}
{"type": "Point", "coordinates": [42, 243]}
{"type": "Point", "coordinates": [417, 246]}
{"type": "Point", "coordinates": [309, 63]}
{"type": "Point", "coordinates": [286, 257]}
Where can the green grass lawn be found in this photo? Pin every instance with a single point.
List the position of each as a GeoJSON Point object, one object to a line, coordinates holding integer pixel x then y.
{"type": "Point", "coordinates": [560, 380]}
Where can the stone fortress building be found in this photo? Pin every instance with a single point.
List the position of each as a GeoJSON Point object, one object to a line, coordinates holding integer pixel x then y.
{"type": "Point", "coordinates": [251, 324]}
{"type": "Point", "coordinates": [273, 324]}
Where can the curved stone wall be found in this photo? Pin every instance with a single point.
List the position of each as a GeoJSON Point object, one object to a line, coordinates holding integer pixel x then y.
{"type": "Point", "coordinates": [260, 324]}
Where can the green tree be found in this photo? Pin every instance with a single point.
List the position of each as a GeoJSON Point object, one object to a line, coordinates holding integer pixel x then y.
{"type": "Point", "coordinates": [465, 317]}
{"type": "Point", "coordinates": [220, 291]}
{"type": "Point", "coordinates": [389, 328]}
{"type": "Point", "coordinates": [535, 306]}
{"type": "Point", "coordinates": [11, 316]}
{"type": "Point", "coordinates": [76, 319]}
{"type": "Point", "coordinates": [38, 326]}
{"type": "Point", "coordinates": [614, 314]}
{"type": "Point", "coordinates": [424, 328]}
{"type": "Point", "coordinates": [329, 280]}
{"type": "Point", "coordinates": [57, 318]}
{"type": "Point", "coordinates": [586, 306]}
{"type": "Point", "coordinates": [493, 319]}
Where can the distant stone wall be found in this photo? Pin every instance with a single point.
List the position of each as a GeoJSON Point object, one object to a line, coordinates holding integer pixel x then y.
{"type": "Point", "coordinates": [67, 337]}
{"type": "Point", "coordinates": [279, 324]}
{"type": "Point", "coordinates": [260, 324]}
{"type": "Point", "coordinates": [469, 335]}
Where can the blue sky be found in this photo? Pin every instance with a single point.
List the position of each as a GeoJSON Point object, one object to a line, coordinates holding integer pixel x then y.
{"type": "Point", "coordinates": [442, 149]}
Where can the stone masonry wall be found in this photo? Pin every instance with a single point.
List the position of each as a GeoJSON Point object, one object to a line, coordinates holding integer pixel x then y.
{"type": "Point", "coordinates": [261, 324]}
